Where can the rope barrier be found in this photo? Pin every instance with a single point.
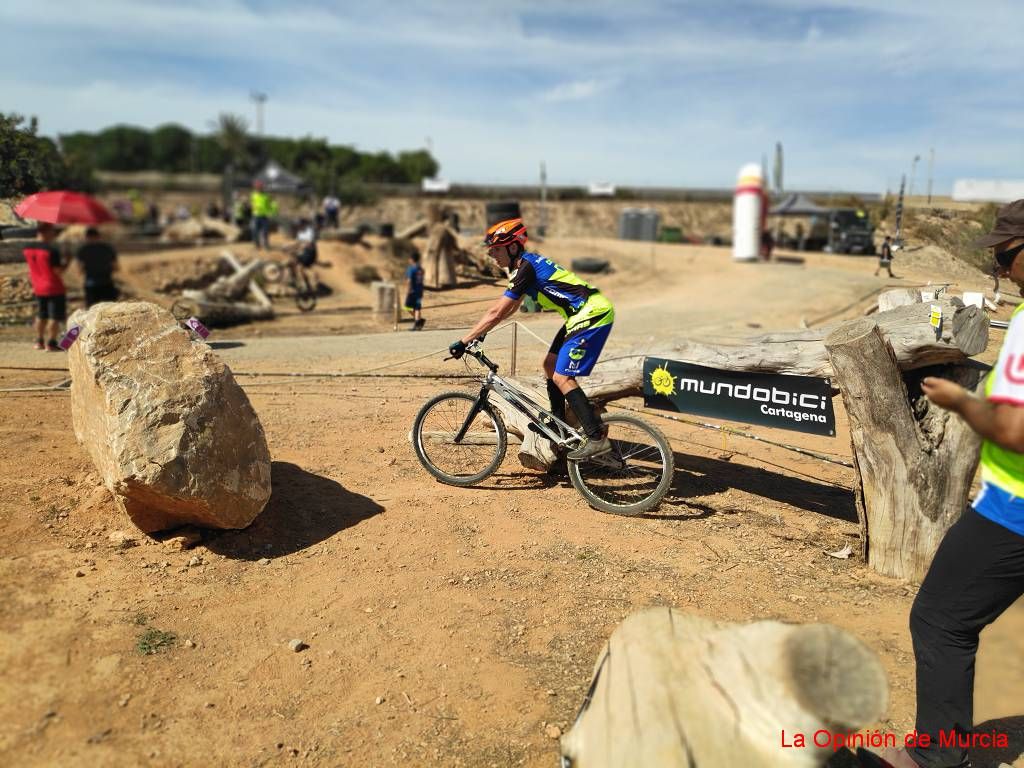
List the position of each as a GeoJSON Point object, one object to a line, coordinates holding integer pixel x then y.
{"type": "Point", "coordinates": [374, 373]}
{"type": "Point", "coordinates": [739, 433]}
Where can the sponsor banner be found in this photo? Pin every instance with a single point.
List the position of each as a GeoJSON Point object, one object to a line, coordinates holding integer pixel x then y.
{"type": "Point", "coordinates": [799, 403]}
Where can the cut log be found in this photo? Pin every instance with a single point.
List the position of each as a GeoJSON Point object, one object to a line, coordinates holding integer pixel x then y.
{"type": "Point", "coordinates": [672, 689]}
{"type": "Point", "coordinates": [898, 297]}
{"type": "Point", "coordinates": [236, 298]}
{"type": "Point", "coordinates": [414, 230]}
{"type": "Point", "coordinates": [964, 333]}
{"type": "Point", "coordinates": [915, 461]}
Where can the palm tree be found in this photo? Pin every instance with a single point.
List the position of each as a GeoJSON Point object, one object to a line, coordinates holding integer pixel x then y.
{"type": "Point", "coordinates": [233, 136]}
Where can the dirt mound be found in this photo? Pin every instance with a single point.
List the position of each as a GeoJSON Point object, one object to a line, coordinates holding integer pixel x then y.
{"type": "Point", "coordinates": [581, 218]}
{"type": "Point", "coordinates": [175, 275]}
{"type": "Point", "coordinates": [947, 238]}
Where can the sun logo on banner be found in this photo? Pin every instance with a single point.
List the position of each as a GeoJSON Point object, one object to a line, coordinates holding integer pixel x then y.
{"type": "Point", "coordinates": [664, 383]}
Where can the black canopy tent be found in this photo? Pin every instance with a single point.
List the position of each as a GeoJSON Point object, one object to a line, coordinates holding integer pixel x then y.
{"type": "Point", "coordinates": [277, 179]}
{"type": "Point", "coordinates": [797, 205]}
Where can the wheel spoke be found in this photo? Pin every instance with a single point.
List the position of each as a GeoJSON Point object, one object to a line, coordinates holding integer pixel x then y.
{"type": "Point", "coordinates": [454, 461]}
{"type": "Point", "coordinates": [639, 480]}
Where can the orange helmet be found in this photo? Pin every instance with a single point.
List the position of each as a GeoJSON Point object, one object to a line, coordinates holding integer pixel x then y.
{"type": "Point", "coordinates": [505, 233]}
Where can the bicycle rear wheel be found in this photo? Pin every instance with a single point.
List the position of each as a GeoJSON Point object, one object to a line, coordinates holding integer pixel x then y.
{"type": "Point", "coordinates": [634, 476]}
{"type": "Point", "coordinates": [305, 295]}
{"type": "Point", "coordinates": [472, 459]}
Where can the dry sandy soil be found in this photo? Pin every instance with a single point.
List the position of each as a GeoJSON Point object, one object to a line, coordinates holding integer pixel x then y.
{"type": "Point", "coordinates": [445, 626]}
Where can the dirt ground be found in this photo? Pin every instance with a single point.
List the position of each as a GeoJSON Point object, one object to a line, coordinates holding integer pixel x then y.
{"type": "Point", "coordinates": [445, 626]}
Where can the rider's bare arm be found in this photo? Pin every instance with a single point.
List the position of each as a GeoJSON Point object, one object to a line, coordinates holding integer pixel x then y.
{"type": "Point", "coordinates": [501, 309]}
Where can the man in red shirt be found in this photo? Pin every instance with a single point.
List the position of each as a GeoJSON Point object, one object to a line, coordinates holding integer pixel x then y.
{"type": "Point", "coordinates": [44, 271]}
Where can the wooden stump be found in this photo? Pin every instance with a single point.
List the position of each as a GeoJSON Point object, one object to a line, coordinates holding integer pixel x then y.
{"type": "Point", "coordinates": [672, 689]}
{"type": "Point", "coordinates": [915, 461]}
{"type": "Point", "coordinates": [383, 296]}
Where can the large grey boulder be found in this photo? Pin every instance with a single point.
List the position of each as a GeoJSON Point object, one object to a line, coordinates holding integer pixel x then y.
{"type": "Point", "coordinates": [170, 431]}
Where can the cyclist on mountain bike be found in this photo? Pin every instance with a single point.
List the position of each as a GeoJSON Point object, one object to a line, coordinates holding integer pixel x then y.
{"type": "Point", "coordinates": [578, 343]}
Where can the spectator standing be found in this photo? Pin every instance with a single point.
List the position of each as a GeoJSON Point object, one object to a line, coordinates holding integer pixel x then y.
{"type": "Point", "coordinates": [263, 209]}
{"type": "Point", "coordinates": [885, 257]}
{"type": "Point", "coordinates": [332, 208]}
{"type": "Point", "coordinates": [978, 569]}
{"type": "Point", "coordinates": [45, 267]}
{"type": "Point", "coordinates": [97, 260]}
{"type": "Point", "coordinates": [414, 291]}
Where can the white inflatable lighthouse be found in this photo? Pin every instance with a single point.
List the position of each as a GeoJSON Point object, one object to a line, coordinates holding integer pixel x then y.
{"type": "Point", "coordinates": [749, 207]}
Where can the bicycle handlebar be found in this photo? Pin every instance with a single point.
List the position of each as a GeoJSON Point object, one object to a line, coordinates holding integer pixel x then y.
{"type": "Point", "coordinates": [473, 349]}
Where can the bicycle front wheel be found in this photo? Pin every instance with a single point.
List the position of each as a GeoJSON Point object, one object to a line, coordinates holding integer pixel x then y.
{"type": "Point", "coordinates": [473, 458]}
{"type": "Point", "coordinates": [634, 476]}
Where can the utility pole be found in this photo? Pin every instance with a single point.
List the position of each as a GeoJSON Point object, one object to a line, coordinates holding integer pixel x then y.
{"type": "Point", "coordinates": [913, 171]}
{"type": "Point", "coordinates": [778, 168]}
{"type": "Point", "coordinates": [542, 226]}
{"type": "Point", "coordinates": [931, 163]}
{"type": "Point", "coordinates": [898, 240]}
{"type": "Point", "coordinates": [260, 99]}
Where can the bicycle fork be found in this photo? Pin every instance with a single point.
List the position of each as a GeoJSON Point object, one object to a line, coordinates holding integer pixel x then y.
{"type": "Point", "coordinates": [477, 406]}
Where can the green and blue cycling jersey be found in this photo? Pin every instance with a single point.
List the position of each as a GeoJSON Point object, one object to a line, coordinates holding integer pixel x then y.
{"type": "Point", "coordinates": [580, 303]}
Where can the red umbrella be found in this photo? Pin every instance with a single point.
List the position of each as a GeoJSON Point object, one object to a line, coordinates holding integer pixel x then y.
{"type": "Point", "coordinates": [63, 207]}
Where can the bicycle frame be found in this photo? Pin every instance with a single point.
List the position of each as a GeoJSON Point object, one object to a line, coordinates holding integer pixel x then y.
{"type": "Point", "coordinates": [543, 421]}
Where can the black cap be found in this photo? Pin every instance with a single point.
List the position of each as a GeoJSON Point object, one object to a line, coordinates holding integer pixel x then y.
{"type": "Point", "coordinates": [1009, 225]}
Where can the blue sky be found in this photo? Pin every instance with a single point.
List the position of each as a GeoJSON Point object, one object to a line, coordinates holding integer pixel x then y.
{"type": "Point", "coordinates": [649, 92]}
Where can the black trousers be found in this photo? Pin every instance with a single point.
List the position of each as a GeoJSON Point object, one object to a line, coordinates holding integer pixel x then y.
{"type": "Point", "coordinates": [94, 294]}
{"type": "Point", "coordinates": [977, 573]}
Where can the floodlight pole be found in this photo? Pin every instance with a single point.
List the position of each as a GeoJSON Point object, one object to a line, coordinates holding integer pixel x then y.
{"type": "Point", "coordinates": [260, 99]}
{"type": "Point", "coordinates": [542, 224]}
{"type": "Point", "coordinates": [931, 163]}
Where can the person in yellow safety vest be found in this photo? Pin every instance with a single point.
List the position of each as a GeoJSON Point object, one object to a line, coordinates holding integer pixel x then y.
{"type": "Point", "coordinates": [978, 569]}
{"type": "Point", "coordinates": [263, 209]}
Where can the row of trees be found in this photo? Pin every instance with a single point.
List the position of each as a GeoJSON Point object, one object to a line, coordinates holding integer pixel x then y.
{"type": "Point", "coordinates": [172, 148]}
{"type": "Point", "coordinates": [29, 162]}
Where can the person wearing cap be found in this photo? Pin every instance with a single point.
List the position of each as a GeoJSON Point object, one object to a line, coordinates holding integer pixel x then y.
{"type": "Point", "coordinates": [263, 209]}
{"type": "Point", "coordinates": [978, 569]}
{"type": "Point", "coordinates": [588, 317]}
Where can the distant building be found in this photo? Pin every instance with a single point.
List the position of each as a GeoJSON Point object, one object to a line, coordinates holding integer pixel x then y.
{"type": "Point", "coordinates": [436, 185]}
{"type": "Point", "coordinates": [601, 189]}
{"type": "Point", "coordinates": [988, 190]}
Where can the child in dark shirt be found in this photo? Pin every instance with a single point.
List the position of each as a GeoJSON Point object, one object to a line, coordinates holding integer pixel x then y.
{"type": "Point", "coordinates": [414, 291]}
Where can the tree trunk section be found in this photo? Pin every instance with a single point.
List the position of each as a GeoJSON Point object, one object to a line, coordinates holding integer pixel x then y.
{"type": "Point", "coordinates": [672, 689]}
{"type": "Point", "coordinates": [235, 298]}
{"type": "Point", "coordinates": [439, 261]}
{"type": "Point", "coordinates": [964, 333]}
{"type": "Point", "coordinates": [915, 461]}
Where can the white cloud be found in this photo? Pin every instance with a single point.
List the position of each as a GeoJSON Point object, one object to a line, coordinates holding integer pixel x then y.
{"type": "Point", "coordinates": [654, 92]}
{"type": "Point", "coordinates": [578, 90]}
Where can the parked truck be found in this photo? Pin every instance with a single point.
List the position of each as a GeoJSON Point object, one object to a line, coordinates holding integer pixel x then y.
{"type": "Point", "coordinates": [841, 230]}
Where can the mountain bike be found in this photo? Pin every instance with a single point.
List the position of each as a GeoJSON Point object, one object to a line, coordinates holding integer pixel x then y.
{"type": "Point", "coordinates": [294, 276]}
{"type": "Point", "coordinates": [461, 440]}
